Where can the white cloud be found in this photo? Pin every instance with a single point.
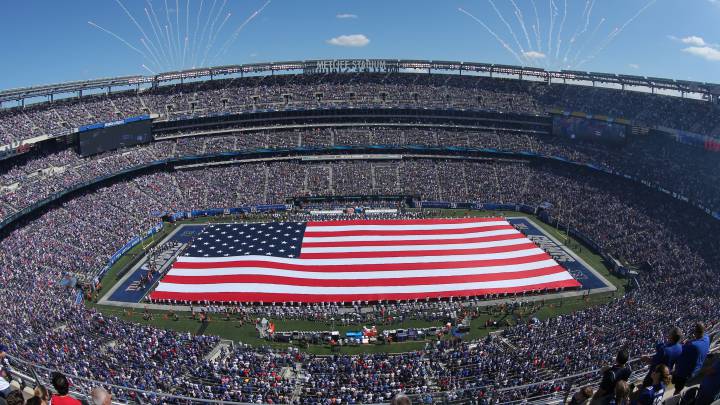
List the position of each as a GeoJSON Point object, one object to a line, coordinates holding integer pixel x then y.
{"type": "Point", "coordinates": [346, 15]}
{"type": "Point", "coordinates": [534, 55]}
{"type": "Point", "coordinates": [693, 40]}
{"type": "Point", "coordinates": [355, 40]}
{"type": "Point", "coordinates": [705, 52]}
{"type": "Point", "coordinates": [634, 66]}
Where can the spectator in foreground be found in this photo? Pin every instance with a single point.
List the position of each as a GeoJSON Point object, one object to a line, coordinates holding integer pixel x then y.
{"type": "Point", "coordinates": [4, 384]}
{"type": "Point", "coordinates": [710, 386]}
{"type": "Point", "coordinates": [622, 394]}
{"type": "Point", "coordinates": [612, 375]}
{"type": "Point", "coordinates": [42, 393]}
{"type": "Point", "coordinates": [692, 358]}
{"type": "Point", "coordinates": [15, 398]}
{"type": "Point", "coordinates": [400, 399]}
{"type": "Point", "coordinates": [582, 396]}
{"type": "Point", "coordinates": [100, 396]}
{"type": "Point", "coordinates": [666, 353]}
{"type": "Point", "coordinates": [654, 393]}
{"type": "Point", "coordinates": [62, 387]}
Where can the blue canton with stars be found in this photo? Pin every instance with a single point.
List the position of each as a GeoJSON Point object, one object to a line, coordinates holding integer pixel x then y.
{"type": "Point", "coordinates": [279, 239]}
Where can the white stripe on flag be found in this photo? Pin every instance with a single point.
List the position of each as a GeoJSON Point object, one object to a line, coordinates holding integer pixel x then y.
{"type": "Point", "coordinates": [408, 248]}
{"type": "Point", "coordinates": [366, 260]}
{"type": "Point", "coordinates": [320, 275]}
{"type": "Point", "coordinates": [434, 227]}
{"type": "Point", "coordinates": [292, 289]}
{"type": "Point", "coordinates": [370, 238]}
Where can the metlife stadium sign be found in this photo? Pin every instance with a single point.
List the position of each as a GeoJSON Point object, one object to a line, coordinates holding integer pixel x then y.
{"type": "Point", "coordinates": [350, 66]}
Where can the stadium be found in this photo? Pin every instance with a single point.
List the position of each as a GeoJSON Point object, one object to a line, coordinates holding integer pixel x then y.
{"type": "Point", "coordinates": [341, 231]}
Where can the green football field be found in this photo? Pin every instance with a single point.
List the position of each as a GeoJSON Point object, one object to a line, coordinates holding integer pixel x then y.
{"type": "Point", "coordinates": [232, 330]}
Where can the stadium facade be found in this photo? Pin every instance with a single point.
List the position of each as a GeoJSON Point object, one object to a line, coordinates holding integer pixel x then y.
{"type": "Point", "coordinates": [628, 168]}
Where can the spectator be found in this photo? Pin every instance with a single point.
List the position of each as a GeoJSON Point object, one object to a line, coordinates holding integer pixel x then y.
{"type": "Point", "coordinates": [5, 388]}
{"type": "Point", "coordinates": [100, 396]}
{"type": "Point", "coordinates": [622, 394]}
{"type": "Point", "coordinates": [42, 393]}
{"type": "Point", "coordinates": [62, 386]}
{"type": "Point", "coordinates": [710, 385]}
{"type": "Point", "coordinates": [15, 398]}
{"type": "Point", "coordinates": [400, 399]}
{"type": "Point", "coordinates": [653, 394]}
{"type": "Point", "coordinates": [692, 357]}
{"type": "Point", "coordinates": [665, 353]}
{"type": "Point", "coordinates": [582, 396]}
{"type": "Point", "coordinates": [612, 375]}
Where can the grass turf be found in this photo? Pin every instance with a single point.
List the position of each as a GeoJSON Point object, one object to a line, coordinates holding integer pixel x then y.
{"type": "Point", "coordinates": [232, 330]}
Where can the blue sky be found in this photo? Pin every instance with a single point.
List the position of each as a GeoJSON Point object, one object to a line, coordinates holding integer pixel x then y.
{"type": "Point", "coordinates": [52, 41]}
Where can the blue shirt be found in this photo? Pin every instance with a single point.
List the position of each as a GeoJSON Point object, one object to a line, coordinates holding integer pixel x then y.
{"type": "Point", "coordinates": [710, 386]}
{"type": "Point", "coordinates": [652, 395]}
{"type": "Point", "coordinates": [666, 353]}
{"type": "Point", "coordinates": [693, 356]}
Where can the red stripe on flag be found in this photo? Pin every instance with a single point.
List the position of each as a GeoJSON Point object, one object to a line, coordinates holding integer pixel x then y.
{"type": "Point", "coordinates": [406, 253]}
{"type": "Point", "coordinates": [322, 234]}
{"type": "Point", "coordinates": [310, 298]}
{"type": "Point", "coordinates": [362, 282]}
{"type": "Point", "coordinates": [438, 221]}
{"type": "Point", "coordinates": [362, 267]}
{"type": "Point", "coordinates": [494, 238]}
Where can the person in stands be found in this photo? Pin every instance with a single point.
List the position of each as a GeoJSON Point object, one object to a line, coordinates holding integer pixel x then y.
{"type": "Point", "coordinates": [666, 353]}
{"type": "Point", "coordinates": [710, 386]}
{"type": "Point", "coordinates": [400, 399]}
{"type": "Point", "coordinates": [100, 396]}
{"type": "Point", "coordinates": [582, 396]}
{"type": "Point", "coordinates": [692, 358]}
{"type": "Point", "coordinates": [62, 386]}
{"type": "Point", "coordinates": [653, 394]}
{"type": "Point", "coordinates": [612, 375]}
{"type": "Point", "coordinates": [622, 394]}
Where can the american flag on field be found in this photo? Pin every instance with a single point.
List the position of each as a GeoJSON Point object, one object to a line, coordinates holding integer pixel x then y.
{"type": "Point", "coordinates": [359, 260]}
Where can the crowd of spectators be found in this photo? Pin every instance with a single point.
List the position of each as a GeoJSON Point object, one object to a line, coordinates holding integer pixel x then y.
{"type": "Point", "coordinates": [357, 90]}
{"type": "Point", "coordinates": [673, 247]}
{"type": "Point", "coordinates": [681, 169]}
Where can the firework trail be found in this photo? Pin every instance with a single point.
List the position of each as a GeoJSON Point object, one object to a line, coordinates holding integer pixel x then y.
{"type": "Point", "coordinates": [503, 43]}
{"type": "Point", "coordinates": [202, 34]}
{"type": "Point", "coordinates": [132, 18]}
{"type": "Point", "coordinates": [536, 27]}
{"type": "Point", "coordinates": [118, 37]}
{"type": "Point", "coordinates": [161, 51]}
{"type": "Point", "coordinates": [521, 20]}
{"type": "Point", "coordinates": [169, 32]}
{"type": "Point", "coordinates": [177, 25]}
{"type": "Point", "coordinates": [148, 69]}
{"type": "Point", "coordinates": [193, 45]}
{"type": "Point", "coordinates": [211, 32]}
{"type": "Point", "coordinates": [509, 27]}
{"type": "Point", "coordinates": [552, 26]}
{"type": "Point", "coordinates": [587, 12]}
{"type": "Point", "coordinates": [559, 36]}
{"type": "Point", "coordinates": [168, 36]}
{"type": "Point", "coordinates": [618, 31]}
{"type": "Point", "coordinates": [187, 30]}
{"type": "Point", "coordinates": [589, 40]}
{"type": "Point", "coordinates": [214, 37]}
{"type": "Point", "coordinates": [155, 59]}
{"type": "Point", "coordinates": [235, 34]}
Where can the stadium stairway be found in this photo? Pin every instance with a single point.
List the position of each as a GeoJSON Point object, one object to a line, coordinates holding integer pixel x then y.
{"type": "Point", "coordinates": [217, 350]}
{"type": "Point", "coordinates": [299, 378]}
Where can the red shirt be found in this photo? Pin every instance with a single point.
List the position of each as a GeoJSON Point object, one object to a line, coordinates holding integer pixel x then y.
{"type": "Point", "coordinates": [64, 400]}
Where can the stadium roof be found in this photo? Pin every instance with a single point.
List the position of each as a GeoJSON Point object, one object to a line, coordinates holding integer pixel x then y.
{"type": "Point", "coordinates": [354, 65]}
